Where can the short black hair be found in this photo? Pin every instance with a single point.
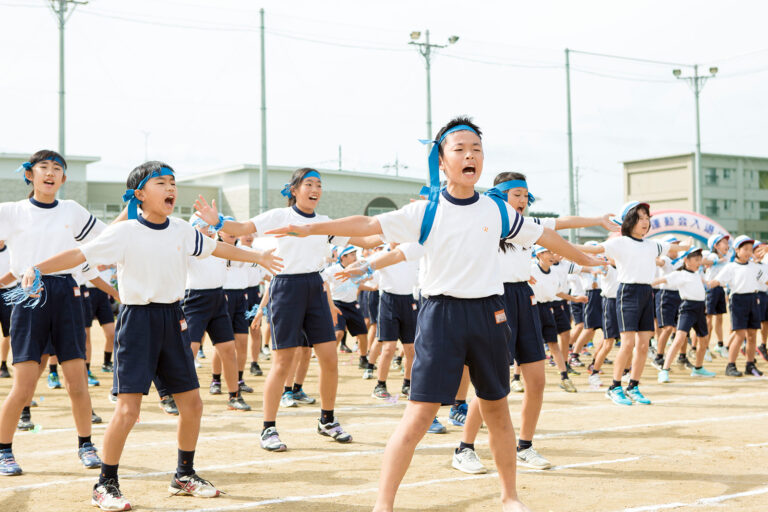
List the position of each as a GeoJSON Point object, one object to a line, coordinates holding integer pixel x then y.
{"type": "Point", "coordinates": [508, 176]}
{"type": "Point", "coordinates": [144, 170]}
{"type": "Point", "coordinates": [296, 178]}
{"type": "Point", "coordinates": [631, 219]}
{"type": "Point", "coordinates": [47, 154]}
{"type": "Point", "coordinates": [456, 121]}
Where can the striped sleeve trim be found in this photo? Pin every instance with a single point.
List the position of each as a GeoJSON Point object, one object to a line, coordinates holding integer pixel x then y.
{"type": "Point", "coordinates": [659, 248]}
{"type": "Point", "coordinates": [198, 244]}
{"type": "Point", "coordinates": [517, 225]}
{"type": "Point", "coordinates": [87, 229]}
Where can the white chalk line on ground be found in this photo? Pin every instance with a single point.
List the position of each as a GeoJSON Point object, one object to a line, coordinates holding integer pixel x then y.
{"type": "Point", "coordinates": [701, 502]}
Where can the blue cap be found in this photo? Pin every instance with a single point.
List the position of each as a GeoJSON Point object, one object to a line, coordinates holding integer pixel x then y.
{"type": "Point", "coordinates": [741, 240]}
{"type": "Point", "coordinates": [538, 249]}
{"type": "Point", "coordinates": [671, 239]}
{"type": "Point", "coordinates": [348, 249]}
{"type": "Point", "coordinates": [714, 239]}
{"type": "Point", "coordinates": [626, 209]}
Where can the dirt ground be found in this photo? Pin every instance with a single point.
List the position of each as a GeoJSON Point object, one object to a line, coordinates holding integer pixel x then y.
{"type": "Point", "coordinates": [702, 445]}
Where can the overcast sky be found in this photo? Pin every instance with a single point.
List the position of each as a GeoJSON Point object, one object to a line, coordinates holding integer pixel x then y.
{"type": "Point", "coordinates": [342, 73]}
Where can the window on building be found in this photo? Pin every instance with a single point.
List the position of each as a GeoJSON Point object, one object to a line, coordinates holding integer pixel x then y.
{"type": "Point", "coordinates": [763, 235]}
{"type": "Point", "coordinates": [710, 208]}
{"type": "Point", "coordinates": [710, 176]}
{"type": "Point", "coordinates": [728, 173]}
{"type": "Point", "coordinates": [113, 209]}
{"type": "Point", "coordinates": [380, 205]}
{"type": "Point", "coordinates": [763, 210]}
{"type": "Point", "coordinates": [763, 180]}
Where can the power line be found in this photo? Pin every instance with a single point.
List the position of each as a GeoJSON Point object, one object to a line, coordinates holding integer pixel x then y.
{"type": "Point", "coordinates": [621, 77]}
{"type": "Point", "coordinates": [635, 59]}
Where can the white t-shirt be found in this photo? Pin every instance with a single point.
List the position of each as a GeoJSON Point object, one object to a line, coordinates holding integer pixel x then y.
{"type": "Point", "coordinates": [562, 270]}
{"type": "Point", "coordinates": [461, 253]}
{"type": "Point", "coordinates": [36, 231]}
{"type": "Point", "coordinates": [576, 284]}
{"type": "Point", "coordinates": [402, 277]}
{"type": "Point", "coordinates": [609, 282]}
{"type": "Point", "coordinates": [152, 259]}
{"type": "Point", "coordinates": [5, 265]}
{"type": "Point", "coordinates": [84, 274]}
{"type": "Point", "coordinates": [236, 275]}
{"type": "Point", "coordinates": [742, 277]}
{"type": "Point", "coordinates": [106, 275]}
{"type": "Point", "coordinates": [689, 284]}
{"type": "Point", "coordinates": [635, 259]}
{"type": "Point", "coordinates": [300, 255]}
{"type": "Point", "coordinates": [206, 273]}
{"type": "Point", "coordinates": [547, 284]}
{"type": "Point", "coordinates": [342, 291]}
{"type": "Point", "coordinates": [516, 260]}
{"type": "Point", "coordinates": [665, 270]}
{"type": "Point", "coordinates": [761, 286]}
{"type": "Point", "coordinates": [714, 270]}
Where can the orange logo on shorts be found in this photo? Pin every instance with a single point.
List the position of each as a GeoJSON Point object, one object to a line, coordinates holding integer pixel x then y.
{"type": "Point", "coordinates": [76, 289]}
{"type": "Point", "coordinates": [533, 300]}
{"type": "Point", "coordinates": [501, 316]}
{"type": "Point", "coordinates": [183, 324]}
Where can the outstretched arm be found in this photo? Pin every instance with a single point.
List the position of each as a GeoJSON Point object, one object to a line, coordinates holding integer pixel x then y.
{"type": "Point", "coordinates": [355, 226]}
{"type": "Point", "coordinates": [266, 259]}
{"type": "Point", "coordinates": [591, 249]}
{"type": "Point", "coordinates": [62, 261]}
{"type": "Point", "coordinates": [7, 279]}
{"type": "Point", "coordinates": [573, 298]}
{"type": "Point", "coordinates": [210, 215]}
{"type": "Point", "coordinates": [366, 242]}
{"type": "Point", "coordinates": [104, 286]}
{"type": "Point", "coordinates": [557, 244]}
{"type": "Point", "coordinates": [359, 268]}
{"type": "Point", "coordinates": [572, 222]}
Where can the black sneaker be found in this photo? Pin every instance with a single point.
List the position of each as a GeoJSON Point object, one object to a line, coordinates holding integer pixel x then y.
{"type": "Point", "coordinates": [4, 373]}
{"type": "Point", "coordinates": [362, 364]}
{"type": "Point", "coordinates": [607, 361]}
{"type": "Point", "coordinates": [215, 388]}
{"type": "Point", "coordinates": [256, 369]}
{"type": "Point", "coordinates": [380, 392]}
{"type": "Point", "coordinates": [684, 361]}
{"type": "Point", "coordinates": [570, 370]}
{"type": "Point", "coordinates": [95, 418]}
{"type": "Point", "coordinates": [761, 349]}
{"type": "Point", "coordinates": [244, 388]}
{"type": "Point", "coordinates": [751, 369]}
{"type": "Point", "coordinates": [345, 349]}
{"type": "Point", "coordinates": [238, 404]}
{"type": "Point", "coordinates": [658, 362]}
{"type": "Point", "coordinates": [731, 371]}
{"type": "Point", "coordinates": [107, 367]}
{"type": "Point", "coordinates": [168, 404]}
{"type": "Point", "coordinates": [405, 391]}
{"type": "Point", "coordinates": [575, 361]}
{"type": "Point", "coordinates": [25, 421]}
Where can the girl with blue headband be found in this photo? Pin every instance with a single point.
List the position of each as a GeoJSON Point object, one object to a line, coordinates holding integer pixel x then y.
{"type": "Point", "coordinates": [463, 317]}
{"type": "Point", "coordinates": [299, 300]}
{"type": "Point", "coordinates": [152, 343]}
{"type": "Point", "coordinates": [35, 229]}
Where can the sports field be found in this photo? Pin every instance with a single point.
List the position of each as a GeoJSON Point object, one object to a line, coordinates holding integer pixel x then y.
{"type": "Point", "coordinates": [702, 446]}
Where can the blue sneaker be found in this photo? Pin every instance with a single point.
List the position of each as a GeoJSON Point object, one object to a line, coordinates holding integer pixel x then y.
{"type": "Point", "coordinates": [458, 414]}
{"type": "Point", "coordinates": [92, 380]}
{"type": "Point", "coordinates": [200, 354]}
{"type": "Point", "coordinates": [618, 396]}
{"type": "Point", "coordinates": [437, 428]}
{"type": "Point", "coordinates": [636, 396]}
{"type": "Point", "coordinates": [701, 372]}
{"type": "Point", "coordinates": [53, 381]}
{"type": "Point", "coordinates": [8, 465]}
{"type": "Point", "coordinates": [88, 457]}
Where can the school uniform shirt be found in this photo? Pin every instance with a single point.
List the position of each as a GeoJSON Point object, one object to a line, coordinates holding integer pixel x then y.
{"type": "Point", "coordinates": [635, 258]}
{"type": "Point", "coordinates": [588, 281]}
{"type": "Point", "coordinates": [742, 277]}
{"type": "Point", "coordinates": [341, 291]}
{"type": "Point", "coordinates": [206, 273]}
{"type": "Point", "coordinates": [152, 259]}
{"type": "Point", "coordinates": [609, 282]}
{"type": "Point", "coordinates": [761, 286]}
{"type": "Point", "coordinates": [576, 285]}
{"type": "Point", "coordinates": [256, 274]}
{"type": "Point", "coordinates": [401, 278]}
{"type": "Point", "coordinates": [562, 270]}
{"type": "Point", "coordinates": [106, 275]}
{"type": "Point", "coordinates": [5, 265]}
{"type": "Point", "coordinates": [516, 260]}
{"type": "Point", "coordinates": [688, 284]}
{"type": "Point", "coordinates": [300, 255]}
{"type": "Point", "coordinates": [461, 253]}
{"type": "Point", "coordinates": [236, 275]}
{"type": "Point", "coordinates": [712, 273]}
{"type": "Point", "coordinates": [664, 270]}
{"type": "Point", "coordinates": [36, 231]}
{"type": "Point", "coordinates": [84, 275]}
{"type": "Point", "coordinates": [547, 284]}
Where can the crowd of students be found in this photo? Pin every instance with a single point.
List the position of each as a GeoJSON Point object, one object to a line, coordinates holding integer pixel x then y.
{"type": "Point", "coordinates": [454, 290]}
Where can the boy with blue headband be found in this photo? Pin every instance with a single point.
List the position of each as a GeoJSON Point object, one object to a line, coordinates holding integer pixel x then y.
{"type": "Point", "coordinates": [463, 317]}
{"type": "Point", "coordinates": [152, 252]}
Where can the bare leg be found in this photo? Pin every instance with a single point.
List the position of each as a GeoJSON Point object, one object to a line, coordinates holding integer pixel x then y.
{"type": "Point", "coordinates": [282, 361]}
{"type": "Point", "coordinates": [76, 383]}
{"type": "Point", "coordinates": [25, 377]}
{"type": "Point", "coordinates": [586, 335]}
{"type": "Point", "coordinates": [533, 398]}
{"type": "Point", "coordinates": [602, 353]}
{"type": "Point", "coordinates": [408, 355]}
{"type": "Point", "coordinates": [224, 355]}
{"type": "Point", "coordinates": [5, 347]}
{"type": "Point", "coordinates": [640, 354]}
{"type": "Point", "coordinates": [292, 370]}
{"type": "Point", "coordinates": [109, 337]}
{"type": "Point", "coordinates": [624, 355]}
{"type": "Point", "coordinates": [701, 343]}
{"type": "Point", "coordinates": [375, 351]}
{"type": "Point", "coordinates": [554, 349]}
{"type": "Point", "coordinates": [751, 344]}
{"type": "Point", "coordinates": [329, 374]}
{"type": "Point", "coordinates": [255, 333]}
{"type": "Point", "coordinates": [565, 346]}
{"type": "Point", "coordinates": [302, 367]}
{"type": "Point", "coordinates": [387, 353]}
{"type": "Point", "coordinates": [241, 350]}
{"type": "Point", "coordinates": [190, 411]}
{"type": "Point", "coordinates": [123, 420]}
{"type": "Point", "coordinates": [735, 344]}
{"type": "Point", "coordinates": [677, 344]}
{"type": "Point", "coordinates": [473, 423]}
{"type": "Point", "coordinates": [362, 344]}
{"type": "Point", "coordinates": [666, 332]}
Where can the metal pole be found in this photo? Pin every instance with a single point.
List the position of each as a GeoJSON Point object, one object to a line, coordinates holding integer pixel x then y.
{"type": "Point", "coordinates": [339, 157]}
{"type": "Point", "coordinates": [62, 147]}
{"type": "Point", "coordinates": [427, 57]}
{"type": "Point", "coordinates": [698, 204]}
{"type": "Point", "coordinates": [263, 167]}
{"type": "Point", "coordinates": [571, 199]}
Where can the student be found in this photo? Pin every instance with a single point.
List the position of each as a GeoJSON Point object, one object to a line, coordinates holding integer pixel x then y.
{"type": "Point", "coordinates": [298, 300]}
{"type": "Point", "coordinates": [759, 252]}
{"type": "Point", "coordinates": [635, 259]}
{"type": "Point", "coordinates": [5, 312]}
{"type": "Point", "coordinates": [576, 287]}
{"type": "Point", "coordinates": [716, 299]}
{"type": "Point", "coordinates": [205, 310]}
{"type": "Point", "coordinates": [101, 309]}
{"type": "Point", "coordinates": [256, 276]}
{"type": "Point", "coordinates": [34, 229]}
{"type": "Point", "coordinates": [609, 284]}
{"type": "Point", "coordinates": [690, 284]}
{"type": "Point", "coordinates": [560, 309]}
{"type": "Point", "coordinates": [742, 277]}
{"type": "Point", "coordinates": [460, 282]}
{"type": "Point", "coordinates": [667, 300]}
{"type": "Point", "coordinates": [593, 311]}
{"type": "Point", "coordinates": [151, 250]}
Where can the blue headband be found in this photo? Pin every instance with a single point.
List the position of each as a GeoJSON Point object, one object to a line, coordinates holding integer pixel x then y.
{"type": "Point", "coordinates": [346, 250]}
{"type": "Point", "coordinates": [498, 190]}
{"type": "Point", "coordinates": [28, 165]}
{"type": "Point", "coordinates": [130, 194]}
{"type": "Point", "coordinates": [286, 192]}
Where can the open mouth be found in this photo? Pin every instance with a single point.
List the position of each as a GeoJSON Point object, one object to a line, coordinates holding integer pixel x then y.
{"type": "Point", "coordinates": [170, 201]}
{"type": "Point", "coordinates": [468, 170]}
{"type": "Point", "coordinates": [520, 209]}
{"type": "Point", "coordinates": [313, 197]}
{"type": "Point", "coordinates": [49, 182]}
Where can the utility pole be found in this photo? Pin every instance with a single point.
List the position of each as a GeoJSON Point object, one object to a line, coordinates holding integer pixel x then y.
{"type": "Point", "coordinates": [60, 8]}
{"type": "Point", "coordinates": [696, 82]}
{"type": "Point", "coordinates": [396, 166]}
{"type": "Point", "coordinates": [571, 198]}
{"type": "Point", "coordinates": [339, 157]}
{"type": "Point", "coordinates": [263, 167]}
{"type": "Point", "coordinates": [577, 192]}
{"type": "Point", "coordinates": [425, 49]}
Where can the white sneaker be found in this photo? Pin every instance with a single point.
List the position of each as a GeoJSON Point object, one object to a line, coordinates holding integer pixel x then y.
{"type": "Point", "coordinates": [723, 351]}
{"type": "Point", "coordinates": [287, 400]}
{"type": "Point", "coordinates": [197, 364]}
{"type": "Point", "coordinates": [517, 386]}
{"type": "Point", "coordinates": [708, 356]}
{"type": "Point", "coordinates": [107, 496]}
{"type": "Point", "coordinates": [368, 374]}
{"type": "Point", "coordinates": [193, 485]}
{"type": "Point", "coordinates": [625, 378]}
{"type": "Point", "coordinates": [467, 461]}
{"type": "Point", "coordinates": [530, 458]}
{"type": "Point", "coordinates": [594, 381]}
{"type": "Point", "coordinates": [271, 442]}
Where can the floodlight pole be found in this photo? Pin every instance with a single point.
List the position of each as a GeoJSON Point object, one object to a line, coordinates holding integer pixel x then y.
{"type": "Point", "coordinates": [571, 198]}
{"type": "Point", "coordinates": [263, 166]}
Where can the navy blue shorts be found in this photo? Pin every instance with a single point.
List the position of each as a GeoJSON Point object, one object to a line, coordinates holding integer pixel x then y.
{"type": "Point", "coordinates": [634, 307]}
{"type": "Point", "coordinates": [716, 301]}
{"type": "Point", "coordinates": [562, 315]}
{"type": "Point", "coordinates": [254, 297]}
{"type": "Point", "coordinates": [577, 311]}
{"type": "Point", "coordinates": [610, 320]}
{"type": "Point", "coordinates": [397, 317]}
{"type": "Point", "coordinates": [362, 299]}
{"type": "Point", "coordinates": [762, 298]}
{"type": "Point", "coordinates": [101, 307]}
{"type": "Point", "coordinates": [5, 316]}
{"type": "Point", "coordinates": [206, 311]}
{"type": "Point", "coordinates": [593, 312]}
{"type": "Point", "coordinates": [351, 318]}
{"type": "Point", "coordinates": [298, 302]}
{"type": "Point", "coordinates": [654, 292]}
{"type": "Point", "coordinates": [526, 344]}
{"type": "Point", "coordinates": [58, 318]}
{"type": "Point", "coordinates": [693, 315]}
{"type": "Point", "coordinates": [547, 321]}
{"type": "Point", "coordinates": [85, 301]}
{"type": "Point", "coordinates": [236, 304]}
{"type": "Point", "coordinates": [372, 306]}
{"type": "Point", "coordinates": [455, 332]}
{"type": "Point", "coordinates": [152, 343]}
{"type": "Point", "coordinates": [745, 311]}
{"type": "Point", "coordinates": [667, 307]}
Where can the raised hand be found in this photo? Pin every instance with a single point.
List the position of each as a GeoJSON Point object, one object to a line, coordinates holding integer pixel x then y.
{"type": "Point", "coordinates": [356, 269]}
{"type": "Point", "coordinates": [608, 224]}
{"type": "Point", "coordinates": [269, 261]}
{"type": "Point", "coordinates": [207, 212]}
{"type": "Point", "coordinates": [290, 230]}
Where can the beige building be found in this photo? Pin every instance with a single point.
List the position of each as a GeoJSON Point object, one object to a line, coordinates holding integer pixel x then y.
{"type": "Point", "coordinates": [734, 188]}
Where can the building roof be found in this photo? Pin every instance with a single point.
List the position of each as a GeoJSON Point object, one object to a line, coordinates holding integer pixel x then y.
{"type": "Point", "coordinates": [717, 155]}
{"type": "Point", "coordinates": [73, 158]}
